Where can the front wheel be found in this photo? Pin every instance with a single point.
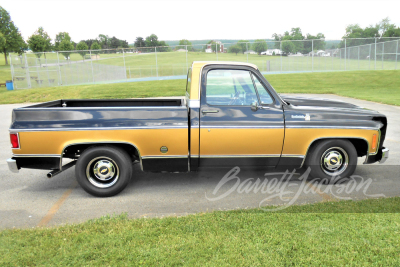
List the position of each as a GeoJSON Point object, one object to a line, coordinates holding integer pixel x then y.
{"type": "Point", "coordinates": [103, 171]}
{"type": "Point", "coordinates": [331, 159]}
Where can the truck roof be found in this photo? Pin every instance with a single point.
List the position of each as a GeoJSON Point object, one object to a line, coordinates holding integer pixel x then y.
{"type": "Point", "coordinates": [199, 64]}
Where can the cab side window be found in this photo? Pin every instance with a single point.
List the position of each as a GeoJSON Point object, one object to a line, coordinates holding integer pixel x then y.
{"type": "Point", "coordinates": [230, 87]}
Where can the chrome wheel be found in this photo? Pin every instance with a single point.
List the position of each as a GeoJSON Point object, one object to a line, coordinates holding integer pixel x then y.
{"type": "Point", "coordinates": [102, 172]}
{"type": "Point", "coordinates": [334, 161]}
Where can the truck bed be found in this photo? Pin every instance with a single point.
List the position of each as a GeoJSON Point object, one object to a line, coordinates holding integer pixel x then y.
{"type": "Point", "coordinates": [96, 114]}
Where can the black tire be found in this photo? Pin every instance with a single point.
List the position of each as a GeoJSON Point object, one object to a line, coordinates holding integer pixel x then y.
{"type": "Point", "coordinates": [103, 171]}
{"type": "Point", "coordinates": [327, 155]}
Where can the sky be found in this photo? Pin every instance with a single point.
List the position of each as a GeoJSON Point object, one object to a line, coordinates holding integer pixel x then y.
{"type": "Point", "coordinates": [195, 20]}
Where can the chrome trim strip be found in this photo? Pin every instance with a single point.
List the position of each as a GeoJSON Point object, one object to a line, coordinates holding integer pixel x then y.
{"type": "Point", "coordinates": [330, 127]}
{"type": "Point", "coordinates": [292, 156]}
{"type": "Point", "coordinates": [98, 128]}
{"type": "Point", "coordinates": [35, 156]}
{"type": "Point", "coordinates": [12, 165]}
{"type": "Point", "coordinates": [165, 156]}
{"type": "Point", "coordinates": [359, 109]}
{"type": "Point", "coordinates": [241, 156]}
{"type": "Point", "coordinates": [110, 142]}
{"type": "Point", "coordinates": [251, 156]}
{"type": "Point", "coordinates": [243, 127]}
{"type": "Point", "coordinates": [100, 108]}
{"type": "Point", "coordinates": [334, 137]}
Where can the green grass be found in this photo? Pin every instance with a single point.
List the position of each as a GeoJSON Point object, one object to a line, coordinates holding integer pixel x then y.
{"type": "Point", "coordinates": [317, 234]}
{"type": "Point", "coordinates": [5, 71]}
{"type": "Point", "coordinates": [378, 86]}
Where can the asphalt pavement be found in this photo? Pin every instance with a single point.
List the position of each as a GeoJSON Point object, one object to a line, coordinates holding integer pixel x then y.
{"type": "Point", "coordinates": [30, 199]}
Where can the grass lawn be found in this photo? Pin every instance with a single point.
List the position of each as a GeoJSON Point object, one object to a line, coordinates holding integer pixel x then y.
{"type": "Point", "coordinates": [315, 234]}
{"type": "Point", "coordinates": [379, 86]}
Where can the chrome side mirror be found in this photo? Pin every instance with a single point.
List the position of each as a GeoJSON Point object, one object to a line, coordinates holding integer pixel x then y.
{"type": "Point", "coordinates": [254, 106]}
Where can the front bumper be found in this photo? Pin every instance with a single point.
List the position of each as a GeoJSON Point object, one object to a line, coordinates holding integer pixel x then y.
{"type": "Point", "coordinates": [381, 156]}
{"type": "Point", "coordinates": [12, 165]}
{"type": "Point", "coordinates": [385, 155]}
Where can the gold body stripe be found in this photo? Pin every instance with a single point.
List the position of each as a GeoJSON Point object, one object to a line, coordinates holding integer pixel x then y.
{"type": "Point", "coordinates": [148, 141]}
{"type": "Point", "coordinates": [297, 141]}
{"type": "Point", "coordinates": [228, 141]}
{"type": "Point", "coordinates": [217, 141]}
{"type": "Point", "coordinates": [213, 141]}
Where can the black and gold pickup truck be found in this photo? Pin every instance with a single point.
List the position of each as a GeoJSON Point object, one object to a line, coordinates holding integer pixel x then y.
{"type": "Point", "coordinates": [231, 116]}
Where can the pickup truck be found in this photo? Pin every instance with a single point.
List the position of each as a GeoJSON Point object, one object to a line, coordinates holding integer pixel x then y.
{"type": "Point", "coordinates": [230, 116]}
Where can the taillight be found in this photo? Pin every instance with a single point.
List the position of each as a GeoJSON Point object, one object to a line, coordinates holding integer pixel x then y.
{"type": "Point", "coordinates": [374, 141]}
{"type": "Point", "coordinates": [14, 140]}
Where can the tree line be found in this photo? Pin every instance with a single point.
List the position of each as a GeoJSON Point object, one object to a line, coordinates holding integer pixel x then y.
{"type": "Point", "coordinates": [40, 42]}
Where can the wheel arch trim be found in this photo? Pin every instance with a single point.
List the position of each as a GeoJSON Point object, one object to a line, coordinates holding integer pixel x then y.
{"type": "Point", "coordinates": [337, 137]}
{"type": "Point", "coordinates": [102, 143]}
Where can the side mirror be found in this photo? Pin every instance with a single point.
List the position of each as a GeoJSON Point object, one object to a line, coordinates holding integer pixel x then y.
{"type": "Point", "coordinates": [254, 106]}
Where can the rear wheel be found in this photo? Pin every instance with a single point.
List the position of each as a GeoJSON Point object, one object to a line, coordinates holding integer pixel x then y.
{"type": "Point", "coordinates": [103, 171]}
{"type": "Point", "coordinates": [331, 159]}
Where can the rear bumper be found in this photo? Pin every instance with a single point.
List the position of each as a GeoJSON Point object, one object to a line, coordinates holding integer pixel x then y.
{"type": "Point", "coordinates": [12, 165]}
{"type": "Point", "coordinates": [381, 156]}
{"type": "Point", "coordinates": [39, 163]}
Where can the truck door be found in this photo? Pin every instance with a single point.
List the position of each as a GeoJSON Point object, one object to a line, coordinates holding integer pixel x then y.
{"type": "Point", "coordinates": [241, 123]}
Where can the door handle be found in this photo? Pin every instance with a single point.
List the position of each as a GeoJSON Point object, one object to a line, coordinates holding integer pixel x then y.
{"type": "Point", "coordinates": [204, 111]}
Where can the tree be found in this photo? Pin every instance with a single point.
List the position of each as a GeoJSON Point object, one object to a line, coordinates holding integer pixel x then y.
{"type": "Point", "coordinates": [288, 47]}
{"type": "Point", "coordinates": [384, 25]}
{"type": "Point", "coordinates": [66, 46]}
{"type": "Point", "coordinates": [2, 40]}
{"type": "Point", "coordinates": [39, 42]}
{"type": "Point", "coordinates": [12, 39]}
{"type": "Point", "coordinates": [139, 42]}
{"type": "Point", "coordinates": [388, 29]}
{"type": "Point", "coordinates": [89, 42]}
{"type": "Point", "coordinates": [59, 38]}
{"type": "Point", "coordinates": [82, 47]}
{"type": "Point", "coordinates": [214, 46]}
{"type": "Point", "coordinates": [235, 49]}
{"type": "Point", "coordinates": [104, 41]}
{"type": "Point", "coordinates": [318, 44]}
{"type": "Point", "coordinates": [260, 46]}
{"type": "Point", "coordinates": [96, 47]}
{"type": "Point", "coordinates": [243, 45]}
{"type": "Point", "coordinates": [123, 44]}
{"type": "Point", "coordinates": [185, 42]}
{"type": "Point", "coordinates": [152, 40]}
{"type": "Point", "coordinates": [163, 47]}
{"type": "Point", "coordinates": [302, 44]}
{"type": "Point", "coordinates": [114, 42]}
{"type": "Point", "coordinates": [392, 32]}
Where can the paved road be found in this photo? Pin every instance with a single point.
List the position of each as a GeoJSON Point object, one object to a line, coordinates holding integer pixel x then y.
{"type": "Point", "coordinates": [29, 199]}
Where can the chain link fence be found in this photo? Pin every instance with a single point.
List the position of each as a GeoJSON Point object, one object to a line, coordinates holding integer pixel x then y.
{"type": "Point", "coordinates": [33, 70]}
